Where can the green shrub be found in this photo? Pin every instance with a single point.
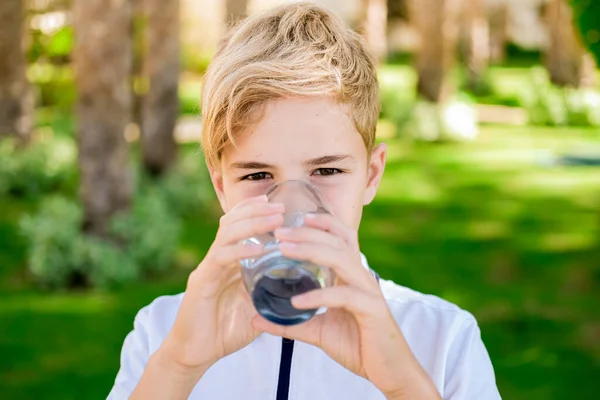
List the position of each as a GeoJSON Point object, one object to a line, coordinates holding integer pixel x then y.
{"type": "Point", "coordinates": [396, 106]}
{"type": "Point", "coordinates": [551, 105]}
{"type": "Point", "coordinates": [150, 230]}
{"type": "Point", "coordinates": [39, 168]}
{"type": "Point", "coordinates": [189, 97]}
{"type": "Point", "coordinates": [483, 87]}
{"type": "Point", "coordinates": [453, 120]}
{"type": "Point", "coordinates": [143, 240]}
{"type": "Point", "coordinates": [54, 85]}
{"type": "Point", "coordinates": [56, 249]}
{"type": "Point", "coordinates": [186, 187]}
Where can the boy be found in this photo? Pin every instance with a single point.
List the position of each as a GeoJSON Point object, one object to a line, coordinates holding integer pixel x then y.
{"type": "Point", "coordinates": [292, 94]}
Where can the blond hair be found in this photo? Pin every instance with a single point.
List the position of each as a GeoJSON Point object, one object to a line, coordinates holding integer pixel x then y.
{"type": "Point", "coordinates": [298, 49]}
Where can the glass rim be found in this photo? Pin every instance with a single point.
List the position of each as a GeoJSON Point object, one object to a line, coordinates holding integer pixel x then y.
{"type": "Point", "coordinates": [307, 185]}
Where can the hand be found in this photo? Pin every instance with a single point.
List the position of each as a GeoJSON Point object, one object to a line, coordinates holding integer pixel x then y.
{"type": "Point", "coordinates": [214, 319]}
{"type": "Point", "coordinates": [358, 330]}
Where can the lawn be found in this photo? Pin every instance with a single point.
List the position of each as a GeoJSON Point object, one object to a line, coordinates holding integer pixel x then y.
{"type": "Point", "coordinates": [481, 224]}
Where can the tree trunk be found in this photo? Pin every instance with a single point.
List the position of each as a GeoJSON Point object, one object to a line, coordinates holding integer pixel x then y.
{"type": "Point", "coordinates": [16, 100]}
{"type": "Point", "coordinates": [103, 57]}
{"type": "Point", "coordinates": [436, 21]}
{"type": "Point", "coordinates": [498, 21]}
{"type": "Point", "coordinates": [478, 50]}
{"type": "Point", "coordinates": [565, 54]}
{"type": "Point", "coordinates": [160, 105]}
{"type": "Point", "coordinates": [235, 11]}
{"type": "Point", "coordinates": [375, 27]}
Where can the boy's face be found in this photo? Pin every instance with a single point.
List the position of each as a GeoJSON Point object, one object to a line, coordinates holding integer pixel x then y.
{"type": "Point", "coordinates": [309, 139]}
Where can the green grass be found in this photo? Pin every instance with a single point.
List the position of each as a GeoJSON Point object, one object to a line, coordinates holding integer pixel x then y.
{"type": "Point", "coordinates": [480, 224]}
{"type": "Point", "coordinates": [516, 244]}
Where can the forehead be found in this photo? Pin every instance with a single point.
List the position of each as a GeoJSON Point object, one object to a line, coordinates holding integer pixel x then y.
{"type": "Point", "coordinates": [297, 129]}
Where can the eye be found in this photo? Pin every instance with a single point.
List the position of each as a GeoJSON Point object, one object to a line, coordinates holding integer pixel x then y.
{"type": "Point", "coordinates": [327, 171]}
{"type": "Point", "coordinates": [257, 176]}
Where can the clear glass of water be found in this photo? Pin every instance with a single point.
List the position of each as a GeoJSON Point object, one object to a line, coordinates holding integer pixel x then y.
{"type": "Point", "coordinates": [272, 279]}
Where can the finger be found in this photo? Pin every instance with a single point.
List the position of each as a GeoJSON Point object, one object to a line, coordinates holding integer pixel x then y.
{"type": "Point", "coordinates": [307, 332]}
{"type": "Point", "coordinates": [220, 264]}
{"type": "Point", "coordinates": [251, 210]}
{"type": "Point", "coordinates": [329, 223]}
{"type": "Point", "coordinates": [227, 255]}
{"type": "Point", "coordinates": [247, 228]}
{"type": "Point", "coordinates": [347, 266]}
{"type": "Point", "coordinates": [256, 199]}
{"type": "Point", "coordinates": [309, 235]}
{"type": "Point", "coordinates": [349, 298]}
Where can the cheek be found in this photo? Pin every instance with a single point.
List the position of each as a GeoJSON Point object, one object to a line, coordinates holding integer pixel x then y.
{"type": "Point", "coordinates": [346, 205]}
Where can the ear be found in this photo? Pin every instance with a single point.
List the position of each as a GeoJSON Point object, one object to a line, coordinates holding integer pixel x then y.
{"type": "Point", "coordinates": [216, 177]}
{"type": "Point", "coordinates": [375, 172]}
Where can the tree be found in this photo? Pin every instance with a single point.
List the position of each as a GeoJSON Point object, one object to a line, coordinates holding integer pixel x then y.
{"type": "Point", "coordinates": [436, 21]}
{"type": "Point", "coordinates": [16, 105]}
{"type": "Point", "coordinates": [587, 19]}
{"type": "Point", "coordinates": [566, 59]}
{"type": "Point", "coordinates": [103, 57]}
{"type": "Point", "coordinates": [160, 105]}
{"type": "Point", "coordinates": [498, 21]}
{"type": "Point", "coordinates": [478, 43]}
{"type": "Point", "coordinates": [235, 10]}
{"type": "Point", "coordinates": [375, 26]}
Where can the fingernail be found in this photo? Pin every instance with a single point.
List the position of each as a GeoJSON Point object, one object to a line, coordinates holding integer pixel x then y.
{"type": "Point", "coordinates": [276, 206]}
{"type": "Point", "coordinates": [310, 216]}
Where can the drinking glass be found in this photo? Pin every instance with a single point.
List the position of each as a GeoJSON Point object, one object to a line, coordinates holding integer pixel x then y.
{"type": "Point", "coordinates": [273, 279]}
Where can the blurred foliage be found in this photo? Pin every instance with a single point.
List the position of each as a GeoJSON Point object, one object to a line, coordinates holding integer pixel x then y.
{"type": "Point", "coordinates": [519, 56]}
{"type": "Point", "coordinates": [61, 256]}
{"type": "Point", "coordinates": [57, 246]}
{"type": "Point", "coordinates": [186, 187]}
{"type": "Point", "coordinates": [481, 88]}
{"type": "Point", "coordinates": [396, 106]}
{"type": "Point", "coordinates": [587, 19]}
{"type": "Point", "coordinates": [478, 223]}
{"type": "Point", "coordinates": [42, 167]}
{"type": "Point", "coordinates": [194, 60]}
{"type": "Point", "coordinates": [190, 92]}
{"type": "Point", "coordinates": [150, 231]}
{"type": "Point", "coordinates": [61, 43]}
{"type": "Point", "coordinates": [55, 46]}
{"type": "Point", "coordinates": [484, 224]}
{"type": "Point", "coordinates": [55, 85]}
{"type": "Point", "coordinates": [548, 104]}
{"type": "Point", "coordinates": [143, 240]}
{"type": "Point", "coordinates": [453, 120]}
{"type": "Point", "coordinates": [416, 118]}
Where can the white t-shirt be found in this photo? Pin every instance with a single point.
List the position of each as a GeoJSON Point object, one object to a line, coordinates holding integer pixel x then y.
{"type": "Point", "coordinates": [445, 339]}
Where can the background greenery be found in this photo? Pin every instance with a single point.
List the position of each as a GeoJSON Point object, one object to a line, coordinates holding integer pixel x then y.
{"type": "Point", "coordinates": [492, 225]}
{"type": "Point", "coordinates": [501, 226]}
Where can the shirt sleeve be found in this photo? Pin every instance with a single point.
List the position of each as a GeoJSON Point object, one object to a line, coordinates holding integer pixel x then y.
{"type": "Point", "coordinates": [134, 357]}
{"type": "Point", "coordinates": [469, 371]}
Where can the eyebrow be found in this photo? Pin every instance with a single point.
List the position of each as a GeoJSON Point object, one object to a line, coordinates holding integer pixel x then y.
{"type": "Point", "coordinates": [329, 159]}
{"type": "Point", "coordinates": [315, 161]}
{"type": "Point", "coordinates": [250, 165]}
